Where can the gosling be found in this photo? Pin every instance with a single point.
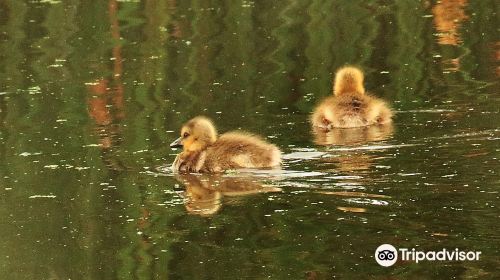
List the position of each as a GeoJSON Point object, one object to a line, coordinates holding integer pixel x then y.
{"type": "Point", "coordinates": [350, 106]}
{"type": "Point", "coordinates": [203, 151]}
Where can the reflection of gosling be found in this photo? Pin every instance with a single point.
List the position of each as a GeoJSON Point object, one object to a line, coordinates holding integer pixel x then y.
{"type": "Point", "coordinates": [203, 151]}
{"type": "Point", "coordinates": [204, 193]}
{"type": "Point", "coordinates": [201, 199]}
{"type": "Point", "coordinates": [354, 136]}
{"type": "Point", "coordinates": [350, 106]}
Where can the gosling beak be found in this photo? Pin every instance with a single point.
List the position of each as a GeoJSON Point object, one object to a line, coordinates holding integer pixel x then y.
{"type": "Point", "coordinates": [177, 143]}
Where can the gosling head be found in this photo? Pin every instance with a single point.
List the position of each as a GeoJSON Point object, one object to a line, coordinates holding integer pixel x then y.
{"type": "Point", "coordinates": [348, 79]}
{"type": "Point", "coordinates": [196, 135]}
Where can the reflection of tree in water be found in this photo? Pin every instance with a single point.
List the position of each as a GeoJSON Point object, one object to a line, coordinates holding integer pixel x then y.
{"type": "Point", "coordinates": [448, 16]}
{"type": "Point", "coordinates": [480, 38]}
{"type": "Point", "coordinates": [105, 101]}
{"type": "Point", "coordinates": [496, 57]}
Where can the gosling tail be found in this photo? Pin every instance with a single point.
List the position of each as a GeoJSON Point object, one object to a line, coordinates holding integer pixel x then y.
{"type": "Point", "coordinates": [349, 80]}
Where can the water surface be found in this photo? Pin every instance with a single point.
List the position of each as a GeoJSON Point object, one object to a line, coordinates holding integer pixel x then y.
{"type": "Point", "coordinates": [92, 93]}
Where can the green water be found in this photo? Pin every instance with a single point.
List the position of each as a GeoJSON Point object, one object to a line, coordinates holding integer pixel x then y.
{"type": "Point", "coordinates": [92, 93]}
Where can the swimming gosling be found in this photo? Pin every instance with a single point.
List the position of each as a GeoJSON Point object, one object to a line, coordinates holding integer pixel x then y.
{"type": "Point", "coordinates": [203, 151]}
{"type": "Point", "coordinates": [350, 106]}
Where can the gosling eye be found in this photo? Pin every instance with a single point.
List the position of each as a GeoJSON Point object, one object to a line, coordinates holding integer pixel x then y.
{"type": "Point", "coordinates": [185, 135]}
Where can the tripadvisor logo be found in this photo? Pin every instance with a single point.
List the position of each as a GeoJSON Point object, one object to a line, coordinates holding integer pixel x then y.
{"type": "Point", "coordinates": [387, 255]}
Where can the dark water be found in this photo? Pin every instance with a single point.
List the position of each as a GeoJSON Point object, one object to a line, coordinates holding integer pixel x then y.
{"type": "Point", "coordinates": [92, 92]}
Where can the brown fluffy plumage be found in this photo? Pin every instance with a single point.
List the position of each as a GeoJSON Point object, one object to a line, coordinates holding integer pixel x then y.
{"type": "Point", "coordinates": [350, 106]}
{"type": "Point", "coordinates": [204, 152]}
